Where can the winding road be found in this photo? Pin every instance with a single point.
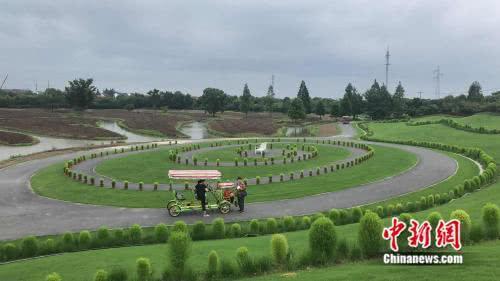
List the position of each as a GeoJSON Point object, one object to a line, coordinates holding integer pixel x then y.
{"type": "Point", "coordinates": [23, 212]}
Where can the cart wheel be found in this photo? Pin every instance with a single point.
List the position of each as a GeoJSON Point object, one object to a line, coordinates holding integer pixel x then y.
{"type": "Point", "coordinates": [225, 207]}
{"type": "Point", "coordinates": [170, 204]}
{"type": "Point", "coordinates": [174, 210]}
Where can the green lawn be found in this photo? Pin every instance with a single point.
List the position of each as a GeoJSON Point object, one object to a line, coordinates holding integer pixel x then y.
{"type": "Point", "coordinates": [51, 182]}
{"type": "Point", "coordinates": [485, 119]}
{"type": "Point", "coordinates": [150, 167]}
{"type": "Point", "coordinates": [228, 154]}
{"type": "Point", "coordinates": [480, 260]}
{"type": "Point", "coordinates": [437, 133]}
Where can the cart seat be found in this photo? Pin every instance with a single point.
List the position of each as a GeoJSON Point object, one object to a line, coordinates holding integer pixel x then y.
{"type": "Point", "coordinates": [179, 196]}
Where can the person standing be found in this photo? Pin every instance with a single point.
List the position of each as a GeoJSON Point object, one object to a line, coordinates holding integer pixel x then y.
{"type": "Point", "coordinates": [242, 193]}
{"type": "Point", "coordinates": [201, 190]}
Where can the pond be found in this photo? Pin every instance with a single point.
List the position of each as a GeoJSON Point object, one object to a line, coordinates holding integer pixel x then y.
{"type": "Point", "coordinates": [295, 131]}
{"type": "Point", "coordinates": [195, 130]}
{"type": "Point", "coordinates": [50, 143]}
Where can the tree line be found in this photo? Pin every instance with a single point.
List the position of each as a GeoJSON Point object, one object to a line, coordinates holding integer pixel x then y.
{"type": "Point", "coordinates": [376, 102]}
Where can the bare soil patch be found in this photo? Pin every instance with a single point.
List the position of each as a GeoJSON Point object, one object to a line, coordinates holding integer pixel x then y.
{"type": "Point", "coordinates": [254, 125]}
{"type": "Point", "coordinates": [11, 138]}
{"type": "Point", "coordinates": [148, 122]}
{"type": "Point", "coordinates": [326, 130]}
{"type": "Point", "coordinates": [62, 123]}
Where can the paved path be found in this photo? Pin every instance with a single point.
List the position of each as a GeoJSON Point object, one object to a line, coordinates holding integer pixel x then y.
{"type": "Point", "coordinates": [24, 213]}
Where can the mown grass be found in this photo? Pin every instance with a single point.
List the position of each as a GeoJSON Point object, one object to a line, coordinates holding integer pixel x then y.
{"type": "Point", "coordinates": [486, 119]}
{"type": "Point", "coordinates": [153, 166]}
{"type": "Point", "coordinates": [82, 265]}
{"type": "Point", "coordinates": [51, 182]}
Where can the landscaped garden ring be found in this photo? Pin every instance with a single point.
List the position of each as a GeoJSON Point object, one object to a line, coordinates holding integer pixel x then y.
{"type": "Point", "coordinates": [82, 170]}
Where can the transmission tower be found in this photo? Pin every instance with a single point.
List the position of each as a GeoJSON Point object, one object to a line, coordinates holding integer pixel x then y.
{"type": "Point", "coordinates": [420, 94]}
{"type": "Point", "coordinates": [3, 82]}
{"type": "Point", "coordinates": [437, 77]}
{"type": "Point", "coordinates": [387, 56]}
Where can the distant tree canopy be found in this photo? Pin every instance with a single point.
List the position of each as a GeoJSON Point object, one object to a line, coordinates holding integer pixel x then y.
{"type": "Point", "coordinates": [351, 103]}
{"type": "Point", "coordinates": [303, 94]}
{"type": "Point", "coordinates": [245, 100]}
{"type": "Point", "coordinates": [475, 92]}
{"type": "Point", "coordinates": [212, 100]}
{"type": "Point", "coordinates": [80, 93]}
{"type": "Point", "coordinates": [376, 102]}
{"type": "Point", "coordinates": [297, 110]}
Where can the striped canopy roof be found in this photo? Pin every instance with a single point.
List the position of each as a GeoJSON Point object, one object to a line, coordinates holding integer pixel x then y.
{"type": "Point", "coordinates": [194, 174]}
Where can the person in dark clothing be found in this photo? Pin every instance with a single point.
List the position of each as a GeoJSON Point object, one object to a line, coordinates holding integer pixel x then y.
{"type": "Point", "coordinates": [201, 189]}
{"type": "Point", "coordinates": [241, 193]}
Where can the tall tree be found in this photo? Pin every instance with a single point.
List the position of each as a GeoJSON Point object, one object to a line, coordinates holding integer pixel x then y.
{"type": "Point", "coordinates": [80, 93]}
{"type": "Point", "coordinates": [320, 109]}
{"type": "Point", "coordinates": [154, 97]}
{"type": "Point", "coordinates": [398, 101]}
{"type": "Point", "coordinates": [335, 110]}
{"type": "Point", "coordinates": [352, 102]}
{"type": "Point", "coordinates": [303, 94]}
{"type": "Point", "coordinates": [245, 100]}
{"type": "Point", "coordinates": [475, 92]}
{"type": "Point", "coordinates": [296, 110]}
{"type": "Point", "coordinates": [269, 99]}
{"type": "Point", "coordinates": [212, 100]}
{"type": "Point", "coordinates": [378, 102]}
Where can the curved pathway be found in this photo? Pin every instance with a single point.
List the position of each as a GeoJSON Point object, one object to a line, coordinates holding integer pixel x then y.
{"type": "Point", "coordinates": [24, 213]}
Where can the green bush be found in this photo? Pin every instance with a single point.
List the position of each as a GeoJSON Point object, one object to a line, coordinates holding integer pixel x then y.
{"type": "Point", "coordinates": [380, 211]}
{"type": "Point", "coordinates": [279, 249]}
{"type": "Point", "coordinates": [334, 216]}
{"type": "Point", "coordinates": [101, 275]}
{"type": "Point", "coordinates": [10, 251]}
{"type": "Point", "coordinates": [119, 236]}
{"type": "Point", "coordinates": [49, 246]}
{"type": "Point", "coordinates": [476, 233]}
{"type": "Point", "coordinates": [213, 265]}
{"type": "Point", "coordinates": [288, 223]}
{"type": "Point", "coordinates": [306, 222]}
{"type": "Point", "coordinates": [218, 228]}
{"type": "Point", "coordinates": [322, 240]}
{"type": "Point", "coordinates": [369, 234]}
{"type": "Point", "coordinates": [254, 226]}
{"type": "Point", "coordinates": [68, 242]}
{"type": "Point", "coordinates": [344, 217]}
{"type": "Point", "coordinates": [430, 201]}
{"type": "Point", "coordinates": [53, 277]}
{"type": "Point", "coordinates": [342, 250]}
{"type": "Point", "coordinates": [198, 231]}
{"type": "Point", "coordinates": [143, 269]}
{"type": "Point", "coordinates": [244, 260]}
{"type": "Point", "coordinates": [135, 234]}
{"type": "Point", "coordinates": [118, 274]}
{"type": "Point", "coordinates": [399, 208]}
{"type": "Point", "coordinates": [103, 235]}
{"type": "Point", "coordinates": [390, 210]}
{"type": "Point", "coordinates": [434, 218]}
{"type": "Point", "coordinates": [180, 226]}
{"type": "Point", "coordinates": [161, 233]}
{"type": "Point", "coordinates": [84, 239]}
{"type": "Point", "coordinates": [356, 252]}
{"type": "Point", "coordinates": [465, 223]}
{"type": "Point", "coordinates": [29, 246]}
{"type": "Point", "coordinates": [179, 245]}
{"type": "Point", "coordinates": [271, 225]}
{"type": "Point", "coordinates": [228, 268]}
{"type": "Point", "coordinates": [491, 219]}
{"type": "Point", "coordinates": [356, 214]}
{"type": "Point", "coordinates": [235, 230]}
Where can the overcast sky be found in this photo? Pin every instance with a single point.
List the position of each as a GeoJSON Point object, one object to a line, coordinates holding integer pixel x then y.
{"type": "Point", "coordinates": [190, 45]}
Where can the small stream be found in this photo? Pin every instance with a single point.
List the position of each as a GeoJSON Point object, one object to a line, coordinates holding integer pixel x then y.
{"type": "Point", "coordinates": [51, 143]}
{"type": "Point", "coordinates": [195, 130]}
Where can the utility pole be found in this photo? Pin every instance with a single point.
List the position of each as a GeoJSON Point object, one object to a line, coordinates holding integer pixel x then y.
{"type": "Point", "coordinates": [272, 81]}
{"type": "Point", "coordinates": [387, 56]}
{"type": "Point", "coordinates": [420, 94]}
{"type": "Point", "coordinates": [437, 77]}
{"type": "Point", "coordinates": [36, 86]}
{"type": "Point", "coordinates": [5, 79]}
